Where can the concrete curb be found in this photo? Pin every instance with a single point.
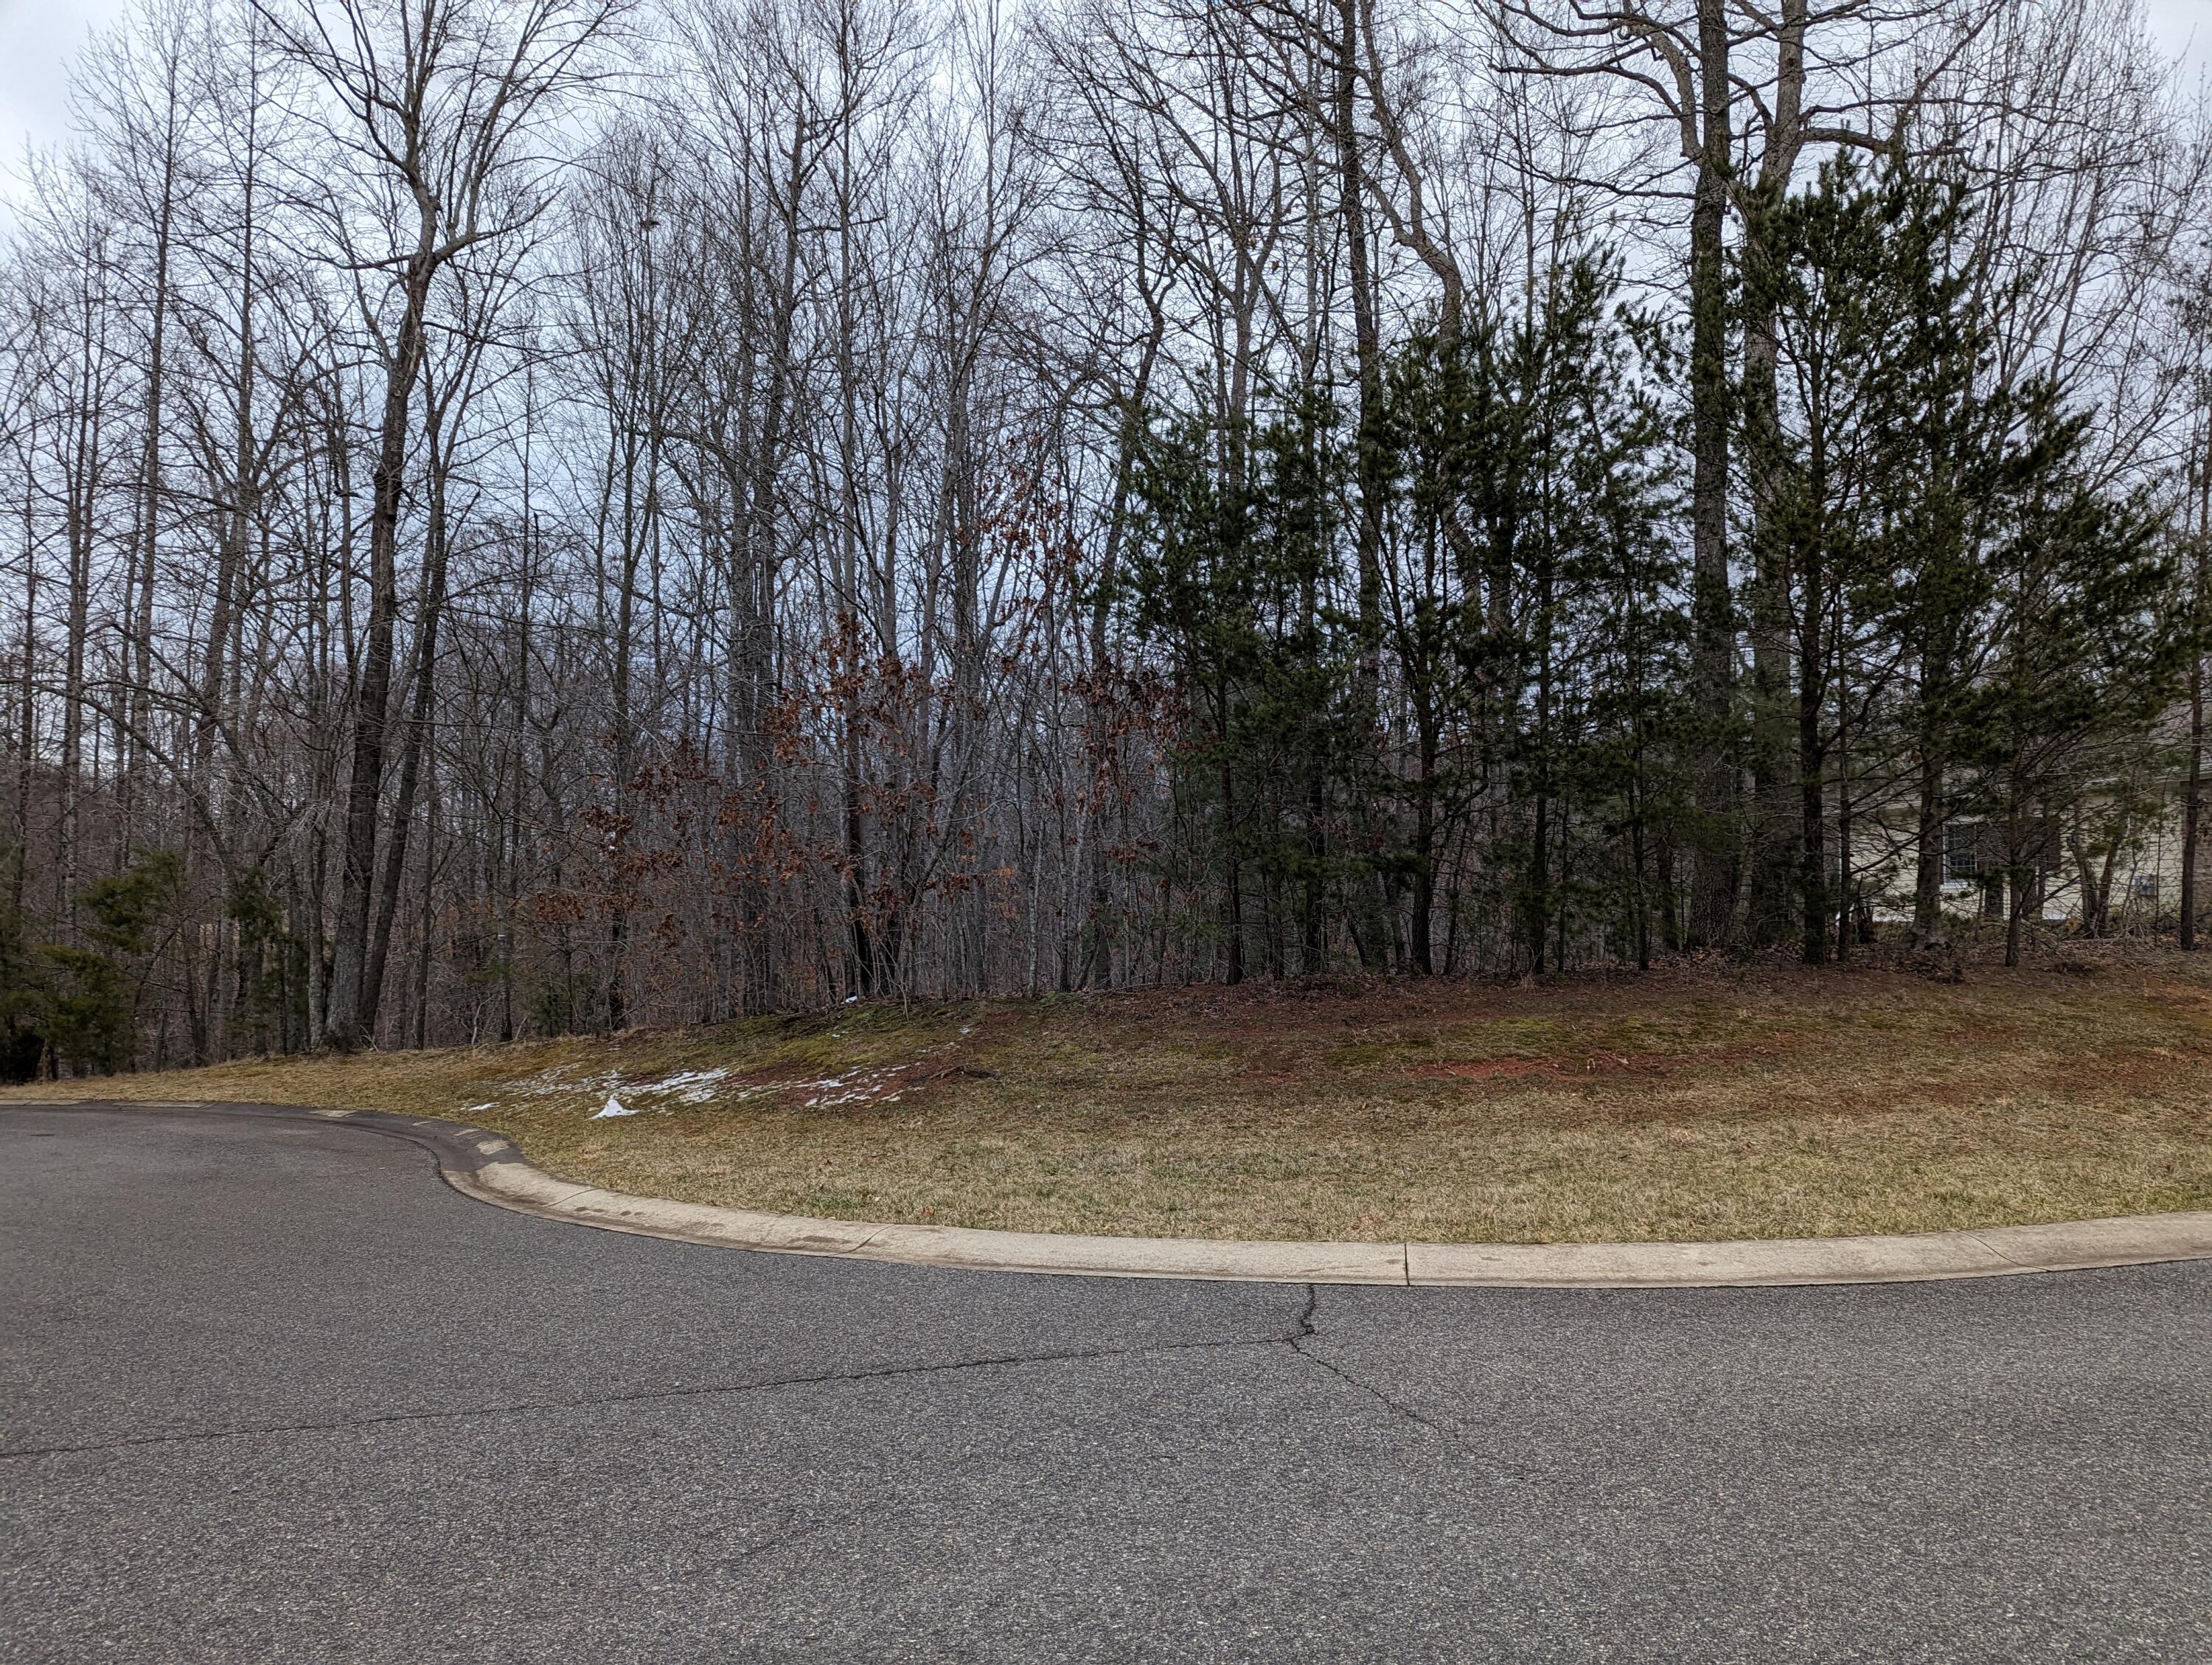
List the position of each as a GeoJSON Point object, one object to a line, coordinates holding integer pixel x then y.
{"type": "Point", "coordinates": [489, 1168]}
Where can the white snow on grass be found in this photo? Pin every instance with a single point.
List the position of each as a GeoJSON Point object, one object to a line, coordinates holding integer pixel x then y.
{"type": "Point", "coordinates": [692, 1086]}
{"type": "Point", "coordinates": [708, 1086]}
{"type": "Point", "coordinates": [859, 1086]}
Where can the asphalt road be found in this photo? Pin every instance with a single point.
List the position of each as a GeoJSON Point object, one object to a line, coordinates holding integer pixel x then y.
{"type": "Point", "coordinates": [272, 1392]}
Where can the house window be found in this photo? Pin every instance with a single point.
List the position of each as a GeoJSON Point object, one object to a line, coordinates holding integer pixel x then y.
{"type": "Point", "coordinates": [1962, 851]}
{"type": "Point", "coordinates": [2043, 837]}
{"type": "Point", "coordinates": [2144, 887]}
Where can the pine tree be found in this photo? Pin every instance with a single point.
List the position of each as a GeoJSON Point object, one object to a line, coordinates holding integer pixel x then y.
{"type": "Point", "coordinates": [1231, 559]}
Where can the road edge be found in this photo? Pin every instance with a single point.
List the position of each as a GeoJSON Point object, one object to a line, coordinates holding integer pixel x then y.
{"type": "Point", "coordinates": [491, 1168]}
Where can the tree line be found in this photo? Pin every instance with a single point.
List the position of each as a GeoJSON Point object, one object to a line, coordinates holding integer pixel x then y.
{"type": "Point", "coordinates": [532, 517]}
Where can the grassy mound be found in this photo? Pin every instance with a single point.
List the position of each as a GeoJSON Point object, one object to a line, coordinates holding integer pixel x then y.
{"type": "Point", "coordinates": [1688, 1104]}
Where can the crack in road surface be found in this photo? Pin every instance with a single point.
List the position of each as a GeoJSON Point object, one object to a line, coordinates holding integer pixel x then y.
{"type": "Point", "coordinates": [518, 1407]}
{"type": "Point", "coordinates": [1308, 1331]}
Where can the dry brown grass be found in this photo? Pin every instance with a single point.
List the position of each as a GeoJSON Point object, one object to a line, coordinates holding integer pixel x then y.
{"type": "Point", "coordinates": [1689, 1104]}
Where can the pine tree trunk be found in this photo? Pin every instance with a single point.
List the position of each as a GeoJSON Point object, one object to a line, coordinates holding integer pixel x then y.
{"type": "Point", "coordinates": [1928, 928]}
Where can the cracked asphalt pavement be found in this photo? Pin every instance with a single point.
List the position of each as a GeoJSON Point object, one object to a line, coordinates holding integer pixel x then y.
{"type": "Point", "coordinates": [270, 1391]}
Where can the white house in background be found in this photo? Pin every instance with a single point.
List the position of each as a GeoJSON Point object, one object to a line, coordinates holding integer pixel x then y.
{"type": "Point", "coordinates": [2142, 886]}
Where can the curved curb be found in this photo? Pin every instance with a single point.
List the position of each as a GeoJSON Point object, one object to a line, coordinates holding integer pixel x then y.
{"type": "Point", "coordinates": [491, 1168]}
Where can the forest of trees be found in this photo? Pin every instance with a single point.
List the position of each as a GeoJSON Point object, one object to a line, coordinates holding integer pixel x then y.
{"type": "Point", "coordinates": [531, 515]}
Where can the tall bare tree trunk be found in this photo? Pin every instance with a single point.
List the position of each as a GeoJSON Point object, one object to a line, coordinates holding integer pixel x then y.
{"type": "Point", "coordinates": [1769, 866]}
{"type": "Point", "coordinates": [1712, 612]}
{"type": "Point", "coordinates": [1370, 921]}
{"type": "Point", "coordinates": [2192, 808]}
{"type": "Point", "coordinates": [416, 740]}
{"type": "Point", "coordinates": [141, 695]}
{"type": "Point", "coordinates": [353, 996]}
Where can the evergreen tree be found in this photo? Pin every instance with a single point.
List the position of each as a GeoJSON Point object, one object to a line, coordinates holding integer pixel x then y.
{"type": "Point", "coordinates": [1534, 608]}
{"type": "Point", "coordinates": [1910, 485]}
{"type": "Point", "coordinates": [1228, 572]}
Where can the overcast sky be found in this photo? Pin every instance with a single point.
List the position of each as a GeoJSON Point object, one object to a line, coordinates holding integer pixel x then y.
{"type": "Point", "coordinates": [38, 36]}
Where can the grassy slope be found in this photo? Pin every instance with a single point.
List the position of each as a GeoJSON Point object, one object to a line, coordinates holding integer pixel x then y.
{"type": "Point", "coordinates": [1691, 1104]}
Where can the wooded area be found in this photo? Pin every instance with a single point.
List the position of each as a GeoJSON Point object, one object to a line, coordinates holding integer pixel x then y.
{"type": "Point", "coordinates": [520, 516]}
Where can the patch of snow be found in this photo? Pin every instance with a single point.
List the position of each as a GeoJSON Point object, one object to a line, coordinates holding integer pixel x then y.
{"type": "Point", "coordinates": [692, 1086]}
{"type": "Point", "coordinates": [473, 1108]}
{"type": "Point", "coordinates": [685, 1078]}
{"type": "Point", "coordinates": [614, 1107]}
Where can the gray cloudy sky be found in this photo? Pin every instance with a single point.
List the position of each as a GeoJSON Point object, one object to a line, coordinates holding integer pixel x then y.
{"type": "Point", "coordinates": [38, 36]}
